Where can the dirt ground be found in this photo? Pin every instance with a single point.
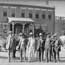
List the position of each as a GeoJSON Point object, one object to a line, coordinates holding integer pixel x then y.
{"type": "Point", "coordinates": [4, 59]}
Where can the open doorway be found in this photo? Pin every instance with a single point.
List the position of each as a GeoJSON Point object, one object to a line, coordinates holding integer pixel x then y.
{"type": "Point", "coordinates": [18, 28]}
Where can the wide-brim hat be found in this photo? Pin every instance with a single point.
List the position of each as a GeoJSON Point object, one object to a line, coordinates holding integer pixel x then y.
{"type": "Point", "coordinates": [30, 33]}
{"type": "Point", "coordinates": [47, 33]}
{"type": "Point", "coordinates": [20, 34]}
{"type": "Point", "coordinates": [55, 35]}
{"type": "Point", "coordinates": [40, 34]}
{"type": "Point", "coordinates": [9, 32]}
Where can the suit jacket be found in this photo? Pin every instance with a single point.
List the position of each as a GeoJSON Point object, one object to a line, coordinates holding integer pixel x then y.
{"type": "Point", "coordinates": [13, 43]}
{"type": "Point", "coordinates": [47, 43]}
{"type": "Point", "coordinates": [40, 44]}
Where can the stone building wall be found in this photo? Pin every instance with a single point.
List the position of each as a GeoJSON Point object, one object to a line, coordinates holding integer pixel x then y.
{"type": "Point", "coordinates": [42, 15]}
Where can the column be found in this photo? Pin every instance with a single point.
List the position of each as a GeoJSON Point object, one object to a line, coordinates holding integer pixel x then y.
{"type": "Point", "coordinates": [8, 26]}
{"type": "Point", "coordinates": [47, 21]}
{"type": "Point", "coordinates": [23, 28]}
{"type": "Point", "coordinates": [13, 27]}
{"type": "Point", "coordinates": [54, 20]}
{"type": "Point", "coordinates": [33, 27]}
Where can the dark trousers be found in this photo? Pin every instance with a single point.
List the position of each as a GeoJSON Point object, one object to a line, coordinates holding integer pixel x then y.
{"type": "Point", "coordinates": [21, 52]}
{"type": "Point", "coordinates": [56, 55]}
{"type": "Point", "coordinates": [14, 52]}
{"type": "Point", "coordinates": [41, 54]}
{"type": "Point", "coordinates": [47, 54]}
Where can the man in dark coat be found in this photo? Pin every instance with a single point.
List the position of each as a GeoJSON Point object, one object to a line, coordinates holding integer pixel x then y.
{"type": "Point", "coordinates": [40, 47]}
{"type": "Point", "coordinates": [14, 45]}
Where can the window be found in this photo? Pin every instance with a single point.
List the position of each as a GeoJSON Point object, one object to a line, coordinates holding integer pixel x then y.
{"type": "Point", "coordinates": [5, 13]}
{"type": "Point", "coordinates": [22, 15]}
{"type": "Point", "coordinates": [30, 15]}
{"type": "Point", "coordinates": [5, 28]}
{"type": "Point", "coordinates": [37, 16]}
{"type": "Point", "coordinates": [49, 16]}
{"type": "Point", "coordinates": [43, 16]}
{"type": "Point", "coordinates": [13, 15]}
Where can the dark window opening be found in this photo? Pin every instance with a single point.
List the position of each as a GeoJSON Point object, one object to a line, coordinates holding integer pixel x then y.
{"type": "Point", "coordinates": [10, 27]}
{"type": "Point", "coordinates": [43, 16]}
{"type": "Point", "coordinates": [49, 16]}
{"type": "Point", "coordinates": [30, 15]}
{"type": "Point", "coordinates": [22, 15]}
{"type": "Point", "coordinates": [13, 15]}
{"type": "Point", "coordinates": [5, 13]}
{"type": "Point", "coordinates": [37, 16]}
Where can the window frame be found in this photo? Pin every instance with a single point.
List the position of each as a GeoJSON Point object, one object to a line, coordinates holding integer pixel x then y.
{"type": "Point", "coordinates": [30, 15]}
{"type": "Point", "coordinates": [37, 16]}
{"type": "Point", "coordinates": [43, 16]}
{"type": "Point", "coordinates": [5, 13]}
{"type": "Point", "coordinates": [13, 14]}
{"type": "Point", "coordinates": [49, 16]}
{"type": "Point", "coordinates": [22, 14]}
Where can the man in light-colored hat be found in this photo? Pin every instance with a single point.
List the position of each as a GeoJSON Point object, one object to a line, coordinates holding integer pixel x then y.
{"type": "Point", "coordinates": [47, 47]}
{"type": "Point", "coordinates": [8, 39]}
{"type": "Point", "coordinates": [40, 47]}
{"type": "Point", "coordinates": [9, 45]}
{"type": "Point", "coordinates": [21, 45]}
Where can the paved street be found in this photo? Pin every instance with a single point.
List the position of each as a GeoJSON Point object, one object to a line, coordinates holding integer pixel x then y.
{"type": "Point", "coordinates": [4, 59]}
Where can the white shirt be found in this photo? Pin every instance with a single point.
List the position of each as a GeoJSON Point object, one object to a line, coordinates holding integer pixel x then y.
{"type": "Point", "coordinates": [21, 42]}
{"type": "Point", "coordinates": [47, 42]}
{"type": "Point", "coordinates": [8, 41]}
{"type": "Point", "coordinates": [31, 41]}
{"type": "Point", "coordinates": [62, 38]}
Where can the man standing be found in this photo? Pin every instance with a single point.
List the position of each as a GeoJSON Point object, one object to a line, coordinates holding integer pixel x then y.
{"type": "Point", "coordinates": [30, 47]}
{"type": "Point", "coordinates": [14, 45]}
{"type": "Point", "coordinates": [47, 48]}
{"type": "Point", "coordinates": [21, 45]}
{"type": "Point", "coordinates": [8, 39]}
{"type": "Point", "coordinates": [9, 45]}
{"type": "Point", "coordinates": [40, 47]}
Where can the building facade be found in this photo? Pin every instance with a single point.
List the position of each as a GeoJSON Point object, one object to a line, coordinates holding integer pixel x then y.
{"type": "Point", "coordinates": [43, 16]}
{"type": "Point", "coordinates": [60, 24]}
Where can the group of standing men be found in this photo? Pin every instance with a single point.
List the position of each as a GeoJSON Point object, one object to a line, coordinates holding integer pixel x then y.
{"type": "Point", "coordinates": [32, 47]}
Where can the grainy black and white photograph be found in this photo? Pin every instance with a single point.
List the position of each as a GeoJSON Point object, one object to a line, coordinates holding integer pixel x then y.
{"type": "Point", "coordinates": [32, 32]}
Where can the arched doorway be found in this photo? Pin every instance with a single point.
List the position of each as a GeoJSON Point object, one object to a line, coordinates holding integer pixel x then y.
{"type": "Point", "coordinates": [23, 25]}
{"type": "Point", "coordinates": [18, 28]}
{"type": "Point", "coordinates": [28, 28]}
